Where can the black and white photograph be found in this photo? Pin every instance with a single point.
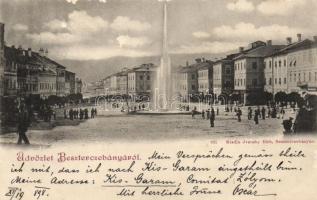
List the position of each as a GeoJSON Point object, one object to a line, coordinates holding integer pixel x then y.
{"type": "Point", "coordinates": [158, 99]}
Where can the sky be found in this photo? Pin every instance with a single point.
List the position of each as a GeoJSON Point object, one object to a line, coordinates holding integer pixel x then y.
{"type": "Point", "coordinates": [101, 29]}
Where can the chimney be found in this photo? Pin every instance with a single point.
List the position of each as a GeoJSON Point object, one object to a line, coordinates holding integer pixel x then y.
{"type": "Point", "coordinates": [29, 52]}
{"type": "Point", "coordinates": [198, 60]}
{"type": "Point", "coordinates": [315, 38]}
{"type": "Point", "coordinates": [269, 43]}
{"type": "Point", "coordinates": [288, 40]}
{"type": "Point", "coordinates": [41, 52]}
{"type": "Point", "coordinates": [299, 37]}
{"type": "Point", "coordinates": [241, 49]}
{"type": "Point", "coordinates": [1, 36]}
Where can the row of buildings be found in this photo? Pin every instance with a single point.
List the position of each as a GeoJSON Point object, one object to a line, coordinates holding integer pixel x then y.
{"type": "Point", "coordinates": [24, 72]}
{"type": "Point", "coordinates": [260, 67]}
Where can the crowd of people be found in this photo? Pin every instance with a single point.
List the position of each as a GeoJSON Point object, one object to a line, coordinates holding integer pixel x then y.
{"type": "Point", "coordinates": [255, 114]}
{"type": "Point", "coordinates": [79, 113]}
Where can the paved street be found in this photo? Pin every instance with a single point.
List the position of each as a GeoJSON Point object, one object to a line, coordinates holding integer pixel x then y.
{"type": "Point", "coordinates": [117, 126]}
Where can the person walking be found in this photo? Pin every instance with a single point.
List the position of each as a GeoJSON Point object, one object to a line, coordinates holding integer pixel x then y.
{"type": "Point", "coordinates": [217, 111]}
{"type": "Point", "coordinates": [256, 116]}
{"type": "Point", "coordinates": [263, 113]}
{"type": "Point", "coordinates": [249, 113]}
{"type": "Point", "coordinates": [212, 118]}
{"type": "Point", "coordinates": [239, 113]}
{"type": "Point", "coordinates": [86, 113]}
{"type": "Point", "coordinates": [92, 113]}
{"type": "Point", "coordinates": [23, 125]}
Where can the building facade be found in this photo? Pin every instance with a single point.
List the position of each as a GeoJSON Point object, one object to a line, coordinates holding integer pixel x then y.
{"type": "Point", "coordinates": [223, 76]}
{"type": "Point", "coordinates": [302, 67]}
{"type": "Point", "coordinates": [141, 80]}
{"type": "Point", "coordinates": [70, 82]}
{"type": "Point", "coordinates": [205, 78]}
{"type": "Point", "coordinates": [249, 70]}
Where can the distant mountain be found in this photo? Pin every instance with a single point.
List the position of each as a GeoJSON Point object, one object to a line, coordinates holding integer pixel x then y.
{"type": "Point", "coordinates": [94, 70]}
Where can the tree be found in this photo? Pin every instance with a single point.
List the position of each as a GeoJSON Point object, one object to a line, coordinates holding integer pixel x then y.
{"type": "Point", "coordinates": [280, 97]}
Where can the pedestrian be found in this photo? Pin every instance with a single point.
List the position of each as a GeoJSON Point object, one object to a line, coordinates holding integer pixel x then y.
{"type": "Point", "coordinates": [212, 118]}
{"type": "Point", "coordinates": [71, 113]}
{"type": "Point", "coordinates": [239, 113]}
{"type": "Point", "coordinates": [95, 111]}
{"type": "Point", "coordinates": [81, 114]}
{"type": "Point", "coordinates": [23, 125]}
{"type": "Point", "coordinates": [203, 114]}
{"type": "Point", "coordinates": [269, 112]}
{"type": "Point", "coordinates": [65, 114]}
{"type": "Point", "coordinates": [194, 112]}
{"type": "Point", "coordinates": [256, 116]}
{"type": "Point", "coordinates": [249, 113]}
{"type": "Point", "coordinates": [92, 113]}
{"type": "Point", "coordinates": [287, 124]}
{"type": "Point", "coordinates": [208, 114]}
{"type": "Point", "coordinates": [263, 113]}
{"type": "Point", "coordinates": [217, 111]}
{"type": "Point", "coordinates": [282, 113]}
{"type": "Point", "coordinates": [86, 113]}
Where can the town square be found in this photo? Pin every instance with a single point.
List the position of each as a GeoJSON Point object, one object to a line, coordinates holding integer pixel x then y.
{"type": "Point", "coordinates": [90, 76]}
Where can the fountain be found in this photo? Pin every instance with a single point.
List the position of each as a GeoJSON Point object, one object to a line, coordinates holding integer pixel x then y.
{"type": "Point", "coordinates": [163, 84]}
{"type": "Point", "coordinates": [163, 87]}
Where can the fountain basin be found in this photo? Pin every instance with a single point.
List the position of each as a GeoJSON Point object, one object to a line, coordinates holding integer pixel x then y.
{"type": "Point", "coordinates": [161, 112]}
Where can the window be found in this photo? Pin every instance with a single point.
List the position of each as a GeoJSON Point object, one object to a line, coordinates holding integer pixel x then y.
{"type": "Point", "coordinates": [141, 77]}
{"type": "Point", "coordinates": [193, 76]}
{"type": "Point", "coordinates": [275, 64]}
{"type": "Point", "coordinates": [254, 82]}
{"type": "Point", "coordinates": [285, 80]}
{"type": "Point", "coordinates": [275, 81]}
{"type": "Point", "coordinates": [279, 81]}
{"type": "Point", "coordinates": [228, 71]}
{"type": "Point", "coordinates": [279, 63]}
{"type": "Point", "coordinates": [284, 63]}
{"type": "Point", "coordinates": [254, 65]}
{"type": "Point", "coordinates": [309, 76]}
{"type": "Point", "coordinates": [265, 64]}
{"type": "Point", "coordinates": [148, 77]}
{"type": "Point", "coordinates": [270, 64]}
{"type": "Point", "coordinates": [270, 81]}
{"type": "Point", "coordinates": [294, 77]}
{"type": "Point", "coordinates": [290, 77]}
{"type": "Point", "coordinates": [193, 87]}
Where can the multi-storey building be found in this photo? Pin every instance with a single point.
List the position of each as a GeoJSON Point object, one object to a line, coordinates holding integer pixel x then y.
{"type": "Point", "coordinates": [292, 68]}
{"type": "Point", "coordinates": [223, 76]}
{"type": "Point", "coordinates": [141, 80]}
{"type": "Point", "coordinates": [249, 70]}
{"type": "Point", "coordinates": [69, 82]}
{"type": "Point", "coordinates": [205, 78]}
{"type": "Point", "coordinates": [78, 85]}
{"type": "Point", "coordinates": [188, 80]}
{"type": "Point", "coordinates": [302, 66]}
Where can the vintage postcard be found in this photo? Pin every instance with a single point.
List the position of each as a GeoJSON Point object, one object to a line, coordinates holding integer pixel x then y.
{"type": "Point", "coordinates": [158, 99]}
